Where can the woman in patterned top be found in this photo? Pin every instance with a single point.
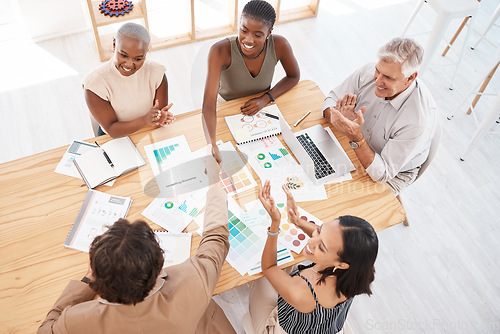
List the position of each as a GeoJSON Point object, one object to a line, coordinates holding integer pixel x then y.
{"type": "Point", "coordinates": [314, 298]}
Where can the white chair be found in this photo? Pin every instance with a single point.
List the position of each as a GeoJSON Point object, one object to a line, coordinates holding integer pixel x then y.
{"type": "Point", "coordinates": [446, 10]}
{"type": "Point", "coordinates": [493, 19]}
{"type": "Point", "coordinates": [492, 115]}
{"type": "Point", "coordinates": [247, 324]}
{"type": "Point", "coordinates": [494, 111]}
{"type": "Point", "coordinates": [432, 153]}
{"type": "Point", "coordinates": [94, 124]}
{"type": "Point", "coordinates": [199, 72]}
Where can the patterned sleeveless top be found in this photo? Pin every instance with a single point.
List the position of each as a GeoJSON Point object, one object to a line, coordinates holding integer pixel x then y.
{"type": "Point", "coordinates": [321, 320]}
{"type": "Point", "coordinates": [236, 81]}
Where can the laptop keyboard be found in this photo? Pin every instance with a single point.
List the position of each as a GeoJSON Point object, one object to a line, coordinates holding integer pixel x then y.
{"type": "Point", "coordinates": [322, 167]}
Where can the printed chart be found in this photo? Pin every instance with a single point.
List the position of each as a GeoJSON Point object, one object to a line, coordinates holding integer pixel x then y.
{"type": "Point", "coordinates": [234, 175]}
{"type": "Point", "coordinates": [174, 214]}
{"type": "Point", "coordinates": [165, 153]}
{"type": "Point", "coordinates": [267, 156]}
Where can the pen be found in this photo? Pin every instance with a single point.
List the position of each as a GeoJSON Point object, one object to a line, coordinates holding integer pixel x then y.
{"type": "Point", "coordinates": [300, 120]}
{"type": "Point", "coordinates": [270, 115]}
{"type": "Point", "coordinates": [105, 155]}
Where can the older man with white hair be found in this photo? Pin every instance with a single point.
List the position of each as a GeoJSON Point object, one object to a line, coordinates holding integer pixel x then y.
{"type": "Point", "coordinates": [388, 114]}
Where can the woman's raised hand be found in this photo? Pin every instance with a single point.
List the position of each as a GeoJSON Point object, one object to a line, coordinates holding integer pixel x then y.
{"type": "Point", "coordinates": [268, 202]}
{"type": "Point", "coordinates": [293, 212]}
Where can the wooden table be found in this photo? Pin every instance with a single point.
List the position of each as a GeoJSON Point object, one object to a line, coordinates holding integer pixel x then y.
{"type": "Point", "coordinates": [38, 207]}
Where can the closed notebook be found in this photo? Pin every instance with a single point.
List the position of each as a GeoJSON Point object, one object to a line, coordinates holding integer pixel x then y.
{"type": "Point", "coordinates": [263, 124]}
{"type": "Point", "coordinates": [95, 168]}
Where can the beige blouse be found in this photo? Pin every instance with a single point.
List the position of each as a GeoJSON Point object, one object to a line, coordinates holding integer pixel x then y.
{"type": "Point", "coordinates": [131, 96]}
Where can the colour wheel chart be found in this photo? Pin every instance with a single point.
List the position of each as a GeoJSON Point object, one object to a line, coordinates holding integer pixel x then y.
{"type": "Point", "coordinates": [245, 245]}
{"type": "Point", "coordinates": [257, 121]}
{"type": "Point", "coordinates": [234, 175]}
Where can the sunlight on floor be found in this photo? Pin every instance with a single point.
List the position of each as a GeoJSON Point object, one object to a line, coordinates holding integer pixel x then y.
{"type": "Point", "coordinates": [32, 66]}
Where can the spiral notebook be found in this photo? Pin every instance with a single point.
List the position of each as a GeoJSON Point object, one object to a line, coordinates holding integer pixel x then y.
{"type": "Point", "coordinates": [263, 124]}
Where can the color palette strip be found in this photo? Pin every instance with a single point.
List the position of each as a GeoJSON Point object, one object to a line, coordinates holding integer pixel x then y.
{"type": "Point", "coordinates": [283, 256]}
{"type": "Point", "coordinates": [245, 245]}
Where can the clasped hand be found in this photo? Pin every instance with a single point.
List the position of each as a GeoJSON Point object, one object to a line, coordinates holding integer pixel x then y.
{"type": "Point", "coordinates": [345, 119]}
{"type": "Point", "coordinates": [159, 117]}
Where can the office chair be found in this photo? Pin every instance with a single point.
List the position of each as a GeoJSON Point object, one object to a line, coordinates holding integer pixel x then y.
{"type": "Point", "coordinates": [432, 153]}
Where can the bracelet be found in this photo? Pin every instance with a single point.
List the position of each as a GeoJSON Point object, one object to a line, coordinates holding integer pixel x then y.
{"type": "Point", "coordinates": [273, 234]}
{"type": "Point", "coordinates": [85, 279]}
{"type": "Point", "coordinates": [270, 96]}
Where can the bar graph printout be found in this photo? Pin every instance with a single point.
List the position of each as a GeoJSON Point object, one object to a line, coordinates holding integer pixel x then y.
{"type": "Point", "coordinates": [163, 154]}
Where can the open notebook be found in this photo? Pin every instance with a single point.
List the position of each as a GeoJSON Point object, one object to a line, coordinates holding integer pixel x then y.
{"type": "Point", "coordinates": [105, 163]}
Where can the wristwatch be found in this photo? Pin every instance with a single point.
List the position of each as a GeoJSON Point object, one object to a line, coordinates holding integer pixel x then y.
{"type": "Point", "coordinates": [358, 144]}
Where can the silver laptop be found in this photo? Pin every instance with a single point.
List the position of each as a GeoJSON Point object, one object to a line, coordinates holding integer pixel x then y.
{"type": "Point", "coordinates": [319, 153]}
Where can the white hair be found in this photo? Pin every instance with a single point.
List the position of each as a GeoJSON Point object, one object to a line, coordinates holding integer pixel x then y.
{"type": "Point", "coordinates": [405, 51]}
{"type": "Point", "coordinates": [134, 30]}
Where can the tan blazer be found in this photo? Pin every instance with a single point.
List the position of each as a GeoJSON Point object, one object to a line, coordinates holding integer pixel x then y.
{"type": "Point", "coordinates": [181, 302]}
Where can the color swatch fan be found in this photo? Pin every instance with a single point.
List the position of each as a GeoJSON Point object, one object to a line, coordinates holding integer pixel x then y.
{"type": "Point", "coordinates": [245, 245]}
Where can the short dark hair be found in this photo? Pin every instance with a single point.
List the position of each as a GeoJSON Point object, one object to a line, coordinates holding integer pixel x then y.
{"type": "Point", "coordinates": [260, 10]}
{"type": "Point", "coordinates": [360, 252]}
{"type": "Point", "coordinates": [125, 261]}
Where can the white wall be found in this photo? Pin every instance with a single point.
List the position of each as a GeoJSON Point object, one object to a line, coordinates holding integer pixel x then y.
{"type": "Point", "coordinates": [48, 19]}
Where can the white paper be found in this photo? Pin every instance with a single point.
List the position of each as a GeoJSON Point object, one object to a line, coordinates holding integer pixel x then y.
{"type": "Point", "coordinates": [175, 213]}
{"type": "Point", "coordinates": [66, 165]}
{"type": "Point", "coordinates": [98, 211]}
{"type": "Point", "coordinates": [176, 247]}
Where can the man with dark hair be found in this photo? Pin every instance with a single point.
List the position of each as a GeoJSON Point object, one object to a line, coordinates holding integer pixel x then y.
{"type": "Point", "coordinates": [136, 295]}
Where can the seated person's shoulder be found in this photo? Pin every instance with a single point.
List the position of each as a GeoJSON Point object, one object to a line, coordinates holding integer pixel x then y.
{"type": "Point", "coordinates": [280, 44]}
{"type": "Point", "coordinates": [279, 40]}
{"type": "Point", "coordinates": [221, 48]}
{"type": "Point", "coordinates": [154, 66]}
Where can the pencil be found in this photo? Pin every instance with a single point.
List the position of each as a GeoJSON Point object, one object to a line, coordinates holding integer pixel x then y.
{"type": "Point", "coordinates": [302, 118]}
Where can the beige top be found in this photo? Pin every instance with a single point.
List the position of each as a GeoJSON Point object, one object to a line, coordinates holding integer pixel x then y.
{"type": "Point", "coordinates": [131, 96]}
{"type": "Point", "coordinates": [180, 302]}
{"type": "Point", "coordinates": [399, 131]}
{"type": "Point", "coordinates": [236, 81]}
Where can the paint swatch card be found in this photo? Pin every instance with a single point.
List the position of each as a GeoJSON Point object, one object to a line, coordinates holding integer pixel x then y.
{"type": "Point", "coordinates": [245, 245]}
{"type": "Point", "coordinates": [283, 254]}
{"type": "Point", "coordinates": [290, 236]}
{"type": "Point", "coordinates": [176, 247]}
{"type": "Point", "coordinates": [234, 175]}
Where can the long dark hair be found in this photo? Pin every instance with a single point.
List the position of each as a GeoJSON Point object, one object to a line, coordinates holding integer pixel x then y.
{"type": "Point", "coordinates": [260, 10]}
{"type": "Point", "coordinates": [360, 252]}
{"type": "Point", "coordinates": [125, 261]}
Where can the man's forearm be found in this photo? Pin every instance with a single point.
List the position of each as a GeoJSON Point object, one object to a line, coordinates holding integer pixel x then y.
{"type": "Point", "coordinates": [76, 292]}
